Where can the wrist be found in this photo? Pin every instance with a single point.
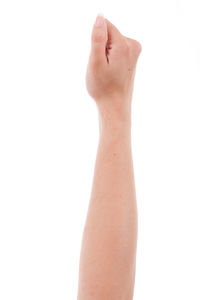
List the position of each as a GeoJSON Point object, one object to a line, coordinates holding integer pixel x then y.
{"type": "Point", "coordinates": [114, 109]}
{"type": "Point", "coordinates": [114, 123]}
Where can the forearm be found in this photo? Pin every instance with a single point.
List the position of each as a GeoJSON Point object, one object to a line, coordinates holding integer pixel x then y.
{"type": "Point", "coordinates": [109, 243]}
{"type": "Point", "coordinates": [107, 263]}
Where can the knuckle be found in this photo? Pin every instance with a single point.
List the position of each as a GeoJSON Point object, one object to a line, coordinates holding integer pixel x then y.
{"type": "Point", "coordinates": [137, 47]}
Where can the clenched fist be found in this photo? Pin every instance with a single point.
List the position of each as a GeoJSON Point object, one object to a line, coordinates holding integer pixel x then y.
{"type": "Point", "coordinates": [111, 67]}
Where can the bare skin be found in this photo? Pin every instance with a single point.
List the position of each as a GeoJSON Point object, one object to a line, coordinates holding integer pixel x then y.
{"type": "Point", "coordinates": [108, 254]}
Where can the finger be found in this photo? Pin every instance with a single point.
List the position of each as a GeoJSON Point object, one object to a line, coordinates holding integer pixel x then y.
{"type": "Point", "coordinates": [114, 34]}
{"type": "Point", "coordinates": [99, 39]}
{"type": "Point", "coordinates": [115, 41]}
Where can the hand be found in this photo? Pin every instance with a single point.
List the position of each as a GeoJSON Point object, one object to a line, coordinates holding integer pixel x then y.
{"type": "Point", "coordinates": [111, 67]}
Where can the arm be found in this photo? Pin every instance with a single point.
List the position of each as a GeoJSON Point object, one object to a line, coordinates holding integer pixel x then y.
{"type": "Point", "coordinates": [107, 262]}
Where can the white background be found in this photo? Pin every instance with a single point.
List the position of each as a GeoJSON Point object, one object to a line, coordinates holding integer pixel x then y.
{"type": "Point", "coordinates": [49, 135]}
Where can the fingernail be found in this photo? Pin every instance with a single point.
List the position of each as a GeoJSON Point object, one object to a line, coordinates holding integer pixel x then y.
{"type": "Point", "coordinates": [99, 21]}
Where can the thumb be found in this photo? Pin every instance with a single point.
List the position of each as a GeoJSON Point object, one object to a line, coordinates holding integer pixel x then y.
{"type": "Point", "coordinates": [99, 39]}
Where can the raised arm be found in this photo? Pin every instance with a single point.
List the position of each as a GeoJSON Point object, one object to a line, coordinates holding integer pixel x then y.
{"type": "Point", "coordinates": [108, 254]}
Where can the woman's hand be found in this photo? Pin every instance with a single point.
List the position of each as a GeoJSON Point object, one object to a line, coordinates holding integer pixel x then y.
{"type": "Point", "coordinates": [111, 68]}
